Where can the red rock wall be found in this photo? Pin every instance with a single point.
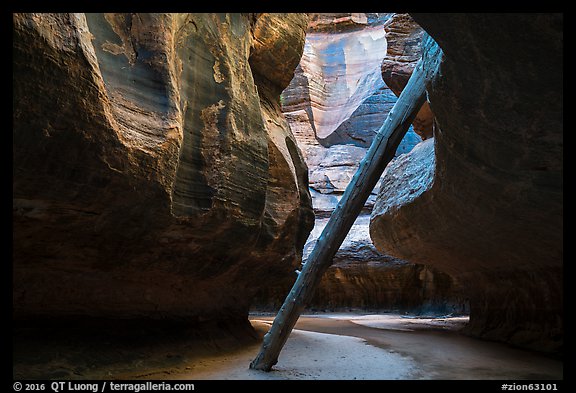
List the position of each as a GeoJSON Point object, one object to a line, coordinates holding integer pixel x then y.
{"type": "Point", "coordinates": [154, 174]}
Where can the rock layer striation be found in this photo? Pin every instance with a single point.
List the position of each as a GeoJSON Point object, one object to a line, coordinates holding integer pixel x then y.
{"type": "Point", "coordinates": [335, 104]}
{"type": "Point", "coordinates": [154, 173]}
{"type": "Point", "coordinates": [337, 100]}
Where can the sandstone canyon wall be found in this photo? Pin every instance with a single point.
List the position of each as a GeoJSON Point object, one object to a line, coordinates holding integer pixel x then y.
{"type": "Point", "coordinates": [361, 277]}
{"type": "Point", "coordinates": [154, 173]}
{"type": "Point", "coordinates": [404, 36]}
{"type": "Point", "coordinates": [337, 100]}
{"type": "Point", "coordinates": [491, 213]}
{"type": "Point", "coordinates": [335, 104]}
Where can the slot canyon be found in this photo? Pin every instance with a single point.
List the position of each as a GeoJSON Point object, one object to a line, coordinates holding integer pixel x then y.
{"type": "Point", "coordinates": [172, 174]}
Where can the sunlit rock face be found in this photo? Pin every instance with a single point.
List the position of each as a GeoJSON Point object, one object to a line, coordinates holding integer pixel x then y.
{"type": "Point", "coordinates": [337, 100]}
{"type": "Point", "coordinates": [492, 216]}
{"type": "Point", "coordinates": [344, 73]}
{"type": "Point", "coordinates": [335, 104]}
{"type": "Point", "coordinates": [338, 83]}
{"type": "Point", "coordinates": [154, 173]}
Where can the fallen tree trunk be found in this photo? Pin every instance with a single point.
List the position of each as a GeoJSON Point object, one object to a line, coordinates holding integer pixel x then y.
{"type": "Point", "coordinates": [377, 158]}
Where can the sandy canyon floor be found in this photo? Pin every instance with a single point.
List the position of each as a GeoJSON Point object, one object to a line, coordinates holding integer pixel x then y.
{"type": "Point", "coordinates": [322, 346]}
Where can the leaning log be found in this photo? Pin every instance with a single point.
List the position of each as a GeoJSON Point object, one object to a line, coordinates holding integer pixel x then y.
{"type": "Point", "coordinates": [371, 167]}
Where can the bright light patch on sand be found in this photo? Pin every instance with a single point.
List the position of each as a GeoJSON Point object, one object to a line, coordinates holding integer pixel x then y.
{"type": "Point", "coordinates": [400, 322]}
{"type": "Point", "coordinates": [320, 356]}
{"type": "Point", "coordinates": [330, 356]}
{"type": "Point", "coordinates": [395, 322]}
{"type": "Point", "coordinates": [430, 350]}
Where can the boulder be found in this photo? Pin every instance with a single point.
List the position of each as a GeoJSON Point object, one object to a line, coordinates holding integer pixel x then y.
{"type": "Point", "coordinates": [362, 277]}
{"type": "Point", "coordinates": [492, 216]}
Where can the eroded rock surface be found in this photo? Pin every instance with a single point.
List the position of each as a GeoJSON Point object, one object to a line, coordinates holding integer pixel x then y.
{"type": "Point", "coordinates": [405, 179]}
{"type": "Point", "coordinates": [337, 100]}
{"type": "Point", "coordinates": [404, 37]}
{"type": "Point", "coordinates": [339, 77]}
{"type": "Point", "coordinates": [493, 215]}
{"type": "Point", "coordinates": [362, 277]}
{"type": "Point", "coordinates": [154, 173]}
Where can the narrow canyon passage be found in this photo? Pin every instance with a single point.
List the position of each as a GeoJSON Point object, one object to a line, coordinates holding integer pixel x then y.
{"type": "Point", "coordinates": [172, 173]}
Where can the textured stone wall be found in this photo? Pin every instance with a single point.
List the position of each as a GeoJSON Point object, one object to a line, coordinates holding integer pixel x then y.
{"type": "Point", "coordinates": [361, 277]}
{"type": "Point", "coordinates": [404, 50]}
{"type": "Point", "coordinates": [337, 100]}
{"type": "Point", "coordinates": [492, 216]}
{"type": "Point", "coordinates": [340, 77]}
{"type": "Point", "coordinates": [154, 173]}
